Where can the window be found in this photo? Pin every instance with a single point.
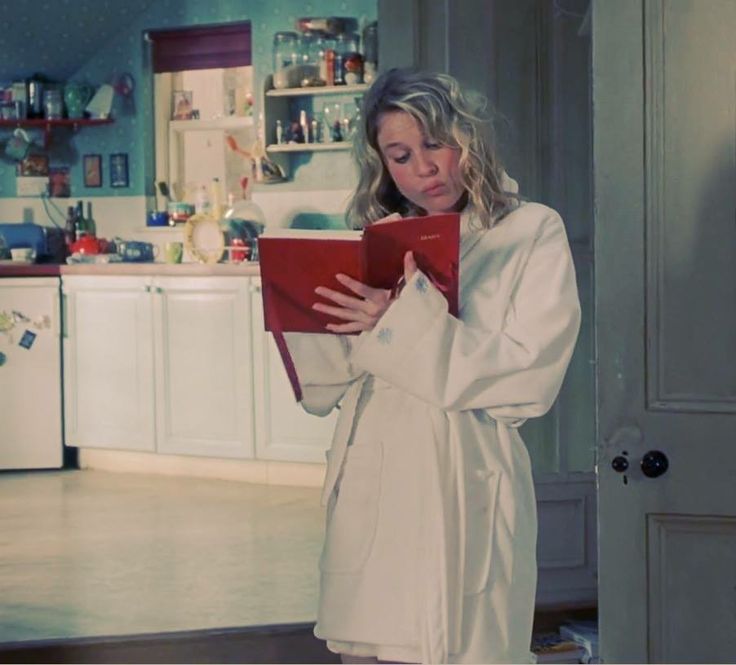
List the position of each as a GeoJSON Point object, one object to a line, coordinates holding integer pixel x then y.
{"type": "Point", "coordinates": [203, 93]}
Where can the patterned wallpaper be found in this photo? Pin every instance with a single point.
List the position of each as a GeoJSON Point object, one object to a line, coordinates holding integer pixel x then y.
{"type": "Point", "coordinates": [132, 131]}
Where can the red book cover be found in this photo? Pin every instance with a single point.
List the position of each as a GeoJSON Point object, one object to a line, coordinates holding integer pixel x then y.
{"type": "Point", "coordinates": [294, 262]}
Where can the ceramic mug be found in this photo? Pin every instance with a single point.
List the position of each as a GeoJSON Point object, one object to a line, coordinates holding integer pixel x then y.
{"type": "Point", "coordinates": [18, 144]}
{"type": "Point", "coordinates": [173, 252]}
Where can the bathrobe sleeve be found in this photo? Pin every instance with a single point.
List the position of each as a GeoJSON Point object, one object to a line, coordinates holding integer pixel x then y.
{"type": "Point", "coordinates": [514, 372]}
{"type": "Point", "coordinates": [324, 369]}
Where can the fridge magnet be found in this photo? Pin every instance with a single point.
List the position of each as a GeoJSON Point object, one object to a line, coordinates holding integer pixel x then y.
{"type": "Point", "coordinates": [181, 104]}
{"type": "Point", "coordinates": [92, 165]}
{"type": "Point", "coordinates": [119, 170]}
{"type": "Point", "coordinates": [27, 340]}
{"type": "Point", "coordinates": [59, 182]}
{"type": "Point", "coordinates": [3, 358]}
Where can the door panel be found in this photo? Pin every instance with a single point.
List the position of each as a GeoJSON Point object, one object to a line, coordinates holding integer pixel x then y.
{"type": "Point", "coordinates": [204, 394]}
{"type": "Point", "coordinates": [664, 150]}
{"type": "Point", "coordinates": [690, 621]}
{"type": "Point", "coordinates": [691, 171]}
{"type": "Point", "coordinates": [108, 363]}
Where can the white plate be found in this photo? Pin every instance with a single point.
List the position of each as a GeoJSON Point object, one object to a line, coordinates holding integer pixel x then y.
{"type": "Point", "coordinates": [204, 239]}
{"type": "Point", "coordinates": [16, 262]}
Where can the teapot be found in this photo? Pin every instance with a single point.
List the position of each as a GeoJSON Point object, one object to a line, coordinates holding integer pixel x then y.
{"type": "Point", "coordinates": [86, 245]}
{"type": "Point", "coordinates": [76, 98]}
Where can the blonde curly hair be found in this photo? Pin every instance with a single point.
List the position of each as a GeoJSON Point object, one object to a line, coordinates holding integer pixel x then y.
{"type": "Point", "coordinates": [447, 116]}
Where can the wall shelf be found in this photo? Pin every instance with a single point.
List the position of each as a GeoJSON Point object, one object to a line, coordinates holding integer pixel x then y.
{"type": "Point", "coordinates": [309, 147]}
{"type": "Point", "coordinates": [318, 90]}
{"type": "Point", "coordinates": [47, 126]}
{"type": "Point", "coordinates": [227, 122]}
{"type": "Point", "coordinates": [286, 104]}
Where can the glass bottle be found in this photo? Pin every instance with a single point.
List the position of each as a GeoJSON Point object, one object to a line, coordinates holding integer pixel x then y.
{"type": "Point", "coordinates": [70, 231]}
{"type": "Point", "coordinates": [80, 225]}
{"type": "Point", "coordinates": [90, 221]}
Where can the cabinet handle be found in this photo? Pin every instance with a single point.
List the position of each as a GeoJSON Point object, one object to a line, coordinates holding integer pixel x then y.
{"type": "Point", "coordinates": [147, 288]}
{"type": "Point", "coordinates": [255, 288]}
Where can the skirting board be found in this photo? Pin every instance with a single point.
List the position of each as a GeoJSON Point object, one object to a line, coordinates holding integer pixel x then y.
{"type": "Point", "coordinates": [263, 472]}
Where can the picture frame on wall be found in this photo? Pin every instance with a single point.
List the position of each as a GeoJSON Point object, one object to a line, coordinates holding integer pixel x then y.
{"type": "Point", "coordinates": [92, 165]}
{"type": "Point", "coordinates": [119, 170]}
{"type": "Point", "coordinates": [181, 105]}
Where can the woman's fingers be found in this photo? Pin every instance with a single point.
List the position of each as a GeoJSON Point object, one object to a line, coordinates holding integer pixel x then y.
{"type": "Point", "coordinates": [363, 290]}
{"type": "Point", "coordinates": [348, 327]}
{"type": "Point", "coordinates": [347, 313]}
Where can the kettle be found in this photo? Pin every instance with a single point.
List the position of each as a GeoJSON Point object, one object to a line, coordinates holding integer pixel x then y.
{"type": "Point", "coordinates": [87, 244]}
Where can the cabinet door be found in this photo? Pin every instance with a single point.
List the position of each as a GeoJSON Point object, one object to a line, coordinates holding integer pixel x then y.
{"type": "Point", "coordinates": [203, 366]}
{"type": "Point", "coordinates": [284, 431]}
{"type": "Point", "coordinates": [108, 363]}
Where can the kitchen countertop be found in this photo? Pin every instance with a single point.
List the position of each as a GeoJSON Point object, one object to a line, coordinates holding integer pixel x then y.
{"type": "Point", "coordinates": [181, 269]}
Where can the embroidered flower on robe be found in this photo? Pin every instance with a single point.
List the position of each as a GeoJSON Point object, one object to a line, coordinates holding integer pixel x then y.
{"type": "Point", "coordinates": [421, 284]}
{"type": "Point", "coordinates": [384, 335]}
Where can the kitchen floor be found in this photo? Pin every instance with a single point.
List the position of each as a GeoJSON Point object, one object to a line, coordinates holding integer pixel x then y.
{"type": "Point", "coordinates": [91, 553]}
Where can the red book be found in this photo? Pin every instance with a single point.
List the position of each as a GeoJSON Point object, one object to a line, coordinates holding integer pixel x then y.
{"type": "Point", "coordinates": [294, 262]}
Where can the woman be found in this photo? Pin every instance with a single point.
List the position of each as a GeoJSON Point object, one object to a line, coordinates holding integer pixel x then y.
{"type": "Point", "coordinates": [430, 544]}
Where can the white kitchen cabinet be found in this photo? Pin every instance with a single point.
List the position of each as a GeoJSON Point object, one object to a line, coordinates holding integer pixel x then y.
{"type": "Point", "coordinates": [283, 430]}
{"type": "Point", "coordinates": [108, 362]}
{"type": "Point", "coordinates": [204, 393]}
{"type": "Point", "coordinates": [159, 364]}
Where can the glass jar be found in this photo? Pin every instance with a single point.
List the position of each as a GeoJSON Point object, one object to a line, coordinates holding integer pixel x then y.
{"type": "Point", "coordinates": [285, 59]}
{"type": "Point", "coordinates": [345, 44]}
{"type": "Point", "coordinates": [370, 42]}
{"type": "Point", "coordinates": [370, 52]}
{"type": "Point", "coordinates": [309, 58]}
{"type": "Point", "coordinates": [52, 104]}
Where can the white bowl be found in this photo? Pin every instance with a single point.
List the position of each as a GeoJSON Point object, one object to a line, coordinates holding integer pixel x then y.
{"type": "Point", "coordinates": [21, 253]}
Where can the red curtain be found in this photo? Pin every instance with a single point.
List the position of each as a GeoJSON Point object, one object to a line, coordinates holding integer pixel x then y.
{"type": "Point", "coordinates": [206, 47]}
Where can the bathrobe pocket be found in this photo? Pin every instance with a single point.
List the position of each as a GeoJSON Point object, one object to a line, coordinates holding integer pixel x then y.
{"type": "Point", "coordinates": [481, 506]}
{"type": "Point", "coordinates": [352, 514]}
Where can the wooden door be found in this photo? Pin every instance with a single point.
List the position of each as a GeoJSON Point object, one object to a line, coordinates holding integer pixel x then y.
{"type": "Point", "coordinates": [665, 255]}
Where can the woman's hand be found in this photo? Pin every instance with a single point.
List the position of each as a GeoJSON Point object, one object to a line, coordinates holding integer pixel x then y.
{"type": "Point", "coordinates": [361, 311]}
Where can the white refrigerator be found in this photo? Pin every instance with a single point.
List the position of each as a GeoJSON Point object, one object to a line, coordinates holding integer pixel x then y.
{"type": "Point", "coordinates": [30, 373]}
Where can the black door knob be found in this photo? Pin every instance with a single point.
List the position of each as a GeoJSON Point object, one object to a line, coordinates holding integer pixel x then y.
{"type": "Point", "coordinates": [654, 464]}
{"type": "Point", "coordinates": [620, 464]}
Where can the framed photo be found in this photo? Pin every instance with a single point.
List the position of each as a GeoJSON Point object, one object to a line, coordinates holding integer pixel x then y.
{"type": "Point", "coordinates": [181, 105]}
{"type": "Point", "coordinates": [119, 169]}
{"type": "Point", "coordinates": [92, 165]}
{"type": "Point", "coordinates": [59, 181]}
{"type": "Point", "coordinates": [34, 165]}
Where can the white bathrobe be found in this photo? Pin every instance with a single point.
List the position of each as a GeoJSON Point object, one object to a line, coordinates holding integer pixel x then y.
{"type": "Point", "coordinates": [430, 549]}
